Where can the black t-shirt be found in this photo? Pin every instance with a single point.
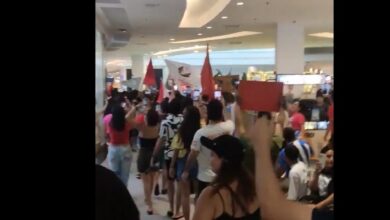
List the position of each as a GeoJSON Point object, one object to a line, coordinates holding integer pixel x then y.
{"type": "Point", "coordinates": [113, 201]}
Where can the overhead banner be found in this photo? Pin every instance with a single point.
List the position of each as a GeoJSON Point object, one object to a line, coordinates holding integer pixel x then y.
{"type": "Point", "coordinates": [182, 74]}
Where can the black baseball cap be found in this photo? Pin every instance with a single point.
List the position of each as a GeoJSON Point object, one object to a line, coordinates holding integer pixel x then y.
{"type": "Point", "coordinates": [226, 146]}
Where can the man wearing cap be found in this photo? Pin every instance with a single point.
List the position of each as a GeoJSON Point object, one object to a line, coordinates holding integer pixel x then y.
{"type": "Point", "coordinates": [216, 127]}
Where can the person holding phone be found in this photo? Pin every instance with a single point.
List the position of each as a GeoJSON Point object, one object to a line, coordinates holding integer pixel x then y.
{"type": "Point", "coordinates": [323, 175]}
{"type": "Point", "coordinates": [271, 199]}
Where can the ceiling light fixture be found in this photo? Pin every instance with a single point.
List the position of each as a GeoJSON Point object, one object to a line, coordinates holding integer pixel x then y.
{"type": "Point", "coordinates": [180, 50]}
{"type": "Point", "coordinates": [209, 27]}
{"type": "Point", "coordinates": [323, 34]}
{"type": "Point", "coordinates": [200, 34]}
{"type": "Point", "coordinates": [220, 37]}
{"type": "Point", "coordinates": [224, 17]}
{"type": "Point", "coordinates": [198, 13]}
{"type": "Point", "coordinates": [240, 3]}
{"type": "Point", "coordinates": [196, 51]}
{"type": "Point", "coordinates": [172, 39]}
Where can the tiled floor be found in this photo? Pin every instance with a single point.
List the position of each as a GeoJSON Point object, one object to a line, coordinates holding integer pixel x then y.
{"type": "Point", "coordinates": [160, 203]}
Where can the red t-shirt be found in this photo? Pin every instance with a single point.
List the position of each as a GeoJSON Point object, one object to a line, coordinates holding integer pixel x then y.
{"type": "Point", "coordinates": [117, 137]}
{"type": "Point", "coordinates": [297, 121]}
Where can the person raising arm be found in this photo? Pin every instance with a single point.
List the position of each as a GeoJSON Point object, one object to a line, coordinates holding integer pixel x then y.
{"type": "Point", "coordinates": [271, 199]}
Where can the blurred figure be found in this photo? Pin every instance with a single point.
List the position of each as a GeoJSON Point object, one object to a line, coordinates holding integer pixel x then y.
{"type": "Point", "coordinates": [112, 199]}
{"type": "Point", "coordinates": [297, 119]}
{"type": "Point", "coordinates": [148, 128]}
{"type": "Point", "coordinates": [168, 129]}
{"type": "Point", "coordinates": [216, 127]}
{"type": "Point", "coordinates": [273, 203]}
{"type": "Point", "coordinates": [297, 176]}
{"type": "Point", "coordinates": [181, 144]}
{"type": "Point", "coordinates": [231, 195]}
{"type": "Point", "coordinates": [117, 126]}
{"type": "Point", "coordinates": [321, 183]}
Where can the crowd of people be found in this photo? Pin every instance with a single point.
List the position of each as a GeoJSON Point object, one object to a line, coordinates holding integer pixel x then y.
{"type": "Point", "coordinates": [233, 160]}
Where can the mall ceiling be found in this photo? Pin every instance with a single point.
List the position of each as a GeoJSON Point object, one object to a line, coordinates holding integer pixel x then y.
{"type": "Point", "coordinates": [151, 25]}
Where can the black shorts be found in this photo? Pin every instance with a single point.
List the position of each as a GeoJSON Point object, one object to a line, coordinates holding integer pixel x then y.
{"type": "Point", "coordinates": [143, 161]}
{"type": "Point", "coordinates": [145, 154]}
{"type": "Point", "coordinates": [201, 186]}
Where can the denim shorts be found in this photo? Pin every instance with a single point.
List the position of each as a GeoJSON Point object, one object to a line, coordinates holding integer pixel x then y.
{"type": "Point", "coordinates": [180, 164]}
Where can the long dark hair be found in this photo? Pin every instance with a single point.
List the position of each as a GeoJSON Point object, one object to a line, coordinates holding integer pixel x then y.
{"type": "Point", "coordinates": [152, 117]}
{"type": "Point", "coordinates": [190, 124]}
{"type": "Point", "coordinates": [230, 172]}
{"type": "Point", "coordinates": [118, 120]}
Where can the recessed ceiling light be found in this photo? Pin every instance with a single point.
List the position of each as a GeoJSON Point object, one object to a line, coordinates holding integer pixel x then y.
{"type": "Point", "coordinates": [240, 3]}
{"type": "Point", "coordinates": [224, 17]}
{"type": "Point", "coordinates": [195, 51]}
{"type": "Point", "coordinates": [209, 27]}
{"type": "Point", "coordinates": [200, 34]}
{"type": "Point", "coordinates": [172, 39]}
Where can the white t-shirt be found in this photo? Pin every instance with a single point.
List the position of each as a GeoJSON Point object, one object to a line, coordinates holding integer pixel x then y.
{"type": "Point", "coordinates": [297, 181]}
{"type": "Point", "coordinates": [323, 182]}
{"type": "Point", "coordinates": [205, 173]}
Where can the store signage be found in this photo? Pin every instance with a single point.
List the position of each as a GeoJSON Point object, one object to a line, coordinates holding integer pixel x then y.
{"type": "Point", "coordinates": [300, 79]}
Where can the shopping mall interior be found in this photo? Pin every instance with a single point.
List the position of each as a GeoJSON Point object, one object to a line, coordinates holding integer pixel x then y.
{"type": "Point", "coordinates": [186, 91]}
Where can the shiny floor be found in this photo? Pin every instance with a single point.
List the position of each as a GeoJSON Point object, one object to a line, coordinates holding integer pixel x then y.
{"type": "Point", "coordinates": [135, 187]}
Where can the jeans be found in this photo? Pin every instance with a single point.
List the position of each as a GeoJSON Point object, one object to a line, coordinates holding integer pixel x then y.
{"type": "Point", "coordinates": [119, 161]}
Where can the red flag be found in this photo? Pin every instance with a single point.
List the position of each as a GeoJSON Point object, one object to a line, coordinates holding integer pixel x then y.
{"type": "Point", "coordinates": [206, 77]}
{"type": "Point", "coordinates": [160, 97]}
{"type": "Point", "coordinates": [150, 78]}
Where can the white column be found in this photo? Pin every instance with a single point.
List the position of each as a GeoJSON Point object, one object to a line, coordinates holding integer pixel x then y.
{"type": "Point", "coordinates": [99, 72]}
{"type": "Point", "coordinates": [290, 48]}
{"type": "Point", "coordinates": [289, 53]}
{"type": "Point", "coordinates": [138, 67]}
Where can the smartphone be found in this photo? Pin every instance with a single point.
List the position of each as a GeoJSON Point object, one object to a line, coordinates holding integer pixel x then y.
{"type": "Point", "coordinates": [158, 108]}
{"type": "Point", "coordinates": [322, 160]}
{"type": "Point", "coordinates": [217, 94]}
